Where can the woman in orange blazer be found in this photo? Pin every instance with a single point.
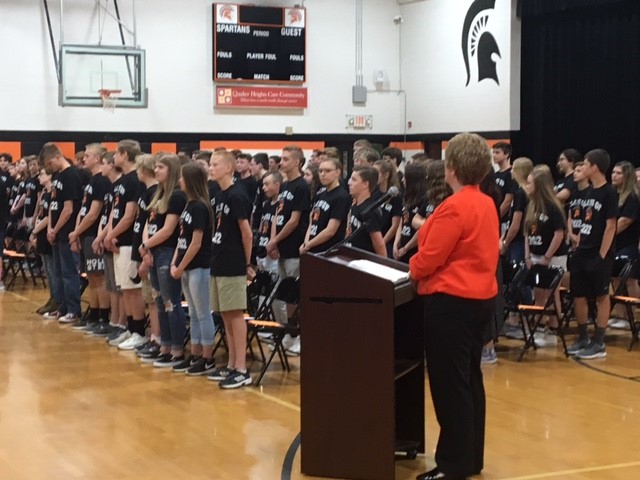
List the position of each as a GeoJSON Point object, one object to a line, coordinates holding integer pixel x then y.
{"type": "Point", "coordinates": [455, 271]}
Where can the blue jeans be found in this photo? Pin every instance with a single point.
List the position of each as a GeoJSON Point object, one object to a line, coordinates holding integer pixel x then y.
{"type": "Point", "coordinates": [65, 271]}
{"type": "Point", "coordinates": [195, 286]}
{"type": "Point", "coordinates": [55, 288]}
{"type": "Point", "coordinates": [173, 323]}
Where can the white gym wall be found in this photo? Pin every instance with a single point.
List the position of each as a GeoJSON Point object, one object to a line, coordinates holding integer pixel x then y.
{"type": "Point", "coordinates": [177, 38]}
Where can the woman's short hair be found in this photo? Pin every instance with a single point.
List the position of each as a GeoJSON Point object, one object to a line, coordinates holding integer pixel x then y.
{"type": "Point", "coordinates": [469, 156]}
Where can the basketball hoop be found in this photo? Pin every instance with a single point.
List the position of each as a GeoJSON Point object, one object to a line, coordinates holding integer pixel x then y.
{"type": "Point", "coordinates": [109, 99]}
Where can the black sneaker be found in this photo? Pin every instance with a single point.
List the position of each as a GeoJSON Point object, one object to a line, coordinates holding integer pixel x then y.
{"type": "Point", "coordinates": [79, 325]}
{"type": "Point", "coordinates": [236, 379]}
{"type": "Point", "coordinates": [142, 346]}
{"type": "Point", "coordinates": [168, 361]}
{"type": "Point", "coordinates": [201, 367]}
{"type": "Point", "coordinates": [150, 350]}
{"type": "Point", "coordinates": [184, 365]}
{"type": "Point", "coordinates": [46, 307]}
{"type": "Point", "coordinates": [152, 356]}
{"type": "Point", "coordinates": [219, 374]}
{"type": "Point", "coordinates": [115, 333]}
{"type": "Point", "coordinates": [101, 330]}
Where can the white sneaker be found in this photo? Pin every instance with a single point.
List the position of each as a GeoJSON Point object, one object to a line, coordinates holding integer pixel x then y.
{"type": "Point", "coordinates": [618, 323]}
{"type": "Point", "coordinates": [124, 336]}
{"type": "Point", "coordinates": [545, 339]}
{"type": "Point", "coordinates": [132, 342]}
{"type": "Point", "coordinates": [288, 341]}
{"type": "Point", "coordinates": [2, 289]}
{"type": "Point", "coordinates": [68, 318]}
{"type": "Point", "coordinates": [294, 350]}
{"type": "Point", "coordinates": [51, 315]}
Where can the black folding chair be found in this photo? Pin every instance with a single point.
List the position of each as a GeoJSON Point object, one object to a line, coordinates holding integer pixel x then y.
{"type": "Point", "coordinates": [286, 290]}
{"type": "Point", "coordinates": [514, 274]}
{"type": "Point", "coordinates": [531, 316]}
{"type": "Point", "coordinates": [621, 294]}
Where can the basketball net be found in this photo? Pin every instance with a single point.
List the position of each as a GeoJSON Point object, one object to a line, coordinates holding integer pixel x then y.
{"type": "Point", "coordinates": [109, 99]}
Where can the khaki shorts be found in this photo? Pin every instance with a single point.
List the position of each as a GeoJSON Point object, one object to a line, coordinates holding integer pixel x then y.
{"type": "Point", "coordinates": [228, 293]}
{"type": "Point", "coordinates": [125, 269]}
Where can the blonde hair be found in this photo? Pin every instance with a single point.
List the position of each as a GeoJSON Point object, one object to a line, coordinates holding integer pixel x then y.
{"type": "Point", "coordinates": [160, 200]}
{"type": "Point", "coordinates": [629, 184]}
{"type": "Point", "coordinates": [97, 148]}
{"type": "Point", "coordinates": [227, 157]}
{"type": "Point", "coordinates": [541, 197]}
{"type": "Point", "coordinates": [388, 168]}
{"type": "Point", "coordinates": [146, 162]}
{"type": "Point", "coordinates": [521, 169]}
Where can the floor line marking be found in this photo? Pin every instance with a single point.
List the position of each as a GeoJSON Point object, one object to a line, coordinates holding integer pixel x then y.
{"type": "Point", "coordinates": [273, 399]}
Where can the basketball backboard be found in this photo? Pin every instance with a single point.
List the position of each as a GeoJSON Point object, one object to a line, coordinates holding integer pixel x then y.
{"type": "Point", "coordinates": [88, 69]}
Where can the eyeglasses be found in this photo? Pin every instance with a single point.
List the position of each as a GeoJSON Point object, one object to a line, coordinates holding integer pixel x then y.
{"type": "Point", "coordinates": [326, 170]}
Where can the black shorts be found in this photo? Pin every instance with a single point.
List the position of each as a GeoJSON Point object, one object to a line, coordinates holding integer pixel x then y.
{"type": "Point", "coordinates": [89, 261]}
{"type": "Point", "coordinates": [590, 276]}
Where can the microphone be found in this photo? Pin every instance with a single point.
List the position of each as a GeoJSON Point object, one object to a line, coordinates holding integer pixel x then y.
{"type": "Point", "coordinates": [366, 213]}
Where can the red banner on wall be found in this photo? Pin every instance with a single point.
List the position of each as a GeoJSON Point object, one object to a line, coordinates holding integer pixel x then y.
{"type": "Point", "coordinates": [261, 97]}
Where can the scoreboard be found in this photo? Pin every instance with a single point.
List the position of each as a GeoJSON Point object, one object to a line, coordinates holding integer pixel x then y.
{"type": "Point", "coordinates": [258, 44]}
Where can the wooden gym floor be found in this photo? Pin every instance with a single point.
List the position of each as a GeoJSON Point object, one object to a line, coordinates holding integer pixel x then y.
{"type": "Point", "coordinates": [73, 408]}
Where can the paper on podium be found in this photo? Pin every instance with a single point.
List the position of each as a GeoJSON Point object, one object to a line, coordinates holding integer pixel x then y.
{"type": "Point", "coordinates": [381, 271]}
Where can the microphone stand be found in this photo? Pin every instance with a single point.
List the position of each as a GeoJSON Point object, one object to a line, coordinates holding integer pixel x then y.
{"type": "Point", "coordinates": [346, 239]}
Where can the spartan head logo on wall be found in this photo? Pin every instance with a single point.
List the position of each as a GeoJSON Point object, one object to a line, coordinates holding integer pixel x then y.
{"type": "Point", "coordinates": [478, 44]}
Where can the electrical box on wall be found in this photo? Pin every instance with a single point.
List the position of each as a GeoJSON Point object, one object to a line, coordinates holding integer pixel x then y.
{"type": "Point", "coordinates": [360, 122]}
{"type": "Point", "coordinates": [359, 94]}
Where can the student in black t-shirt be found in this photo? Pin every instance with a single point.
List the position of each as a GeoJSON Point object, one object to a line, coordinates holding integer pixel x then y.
{"type": "Point", "coordinates": [574, 205]}
{"type": "Point", "coordinates": [159, 241]}
{"type": "Point", "coordinates": [38, 240]}
{"type": "Point", "coordinates": [292, 218]}
{"type": "Point", "coordinates": [244, 177]}
{"type": "Point", "coordinates": [271, 184]}
{"type": "Point", "coordinates": [258, 166]}
{"type": "Point", "coordinates": [86, 231]}
{"type": "Point", "coordinates": [592, 261]}
{"type": "Point", "coordinates": [512, 242]}
{"type": "Point", "coordinates": [231, 255]}
{"type": "Point", "coordinates": [191, 264]}
{"type": "Point", "coordinates": [33, 191]}
{"type": "Point", "coordinates": [329, 210]}
{"type": "Point", "coordinates": [145, 165]}
{"type": "Point", "coordinates": [415, 202]}
{"type": "Point", "coordinates": [361, 184]}
{"type": "Point", "coordinates": [623, 179]}
{"type": "Point", "coordinates": [502, 158]}
{"type": "Point", "coordinates": [126, 191]}
{"type": "Point", "coordinates": [391, 210]}
{"type": "Point", "coordinates": [544, 230]}
{"type": "Point", "coordinates": [566, 165]}
{"type": "Point", "coordinates": [65, 203]}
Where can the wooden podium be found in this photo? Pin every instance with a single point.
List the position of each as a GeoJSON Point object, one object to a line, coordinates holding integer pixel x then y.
{"type": "Point", "coordinates": [362, 368]}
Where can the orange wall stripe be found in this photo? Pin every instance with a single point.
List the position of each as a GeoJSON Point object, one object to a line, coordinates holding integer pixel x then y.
{"type": "Point", "coordinates": [164, 147]}
{"type": "Point", "coordinates": [13, 148]}
{"type": "Point", "coordinates": [110, 146]}
{"type": "Point", "coordinates": [262, 145]}
{"type": "Point", "coordinates": [408, 145]}
{"type": "Point", "coordinates": [68, 149]}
